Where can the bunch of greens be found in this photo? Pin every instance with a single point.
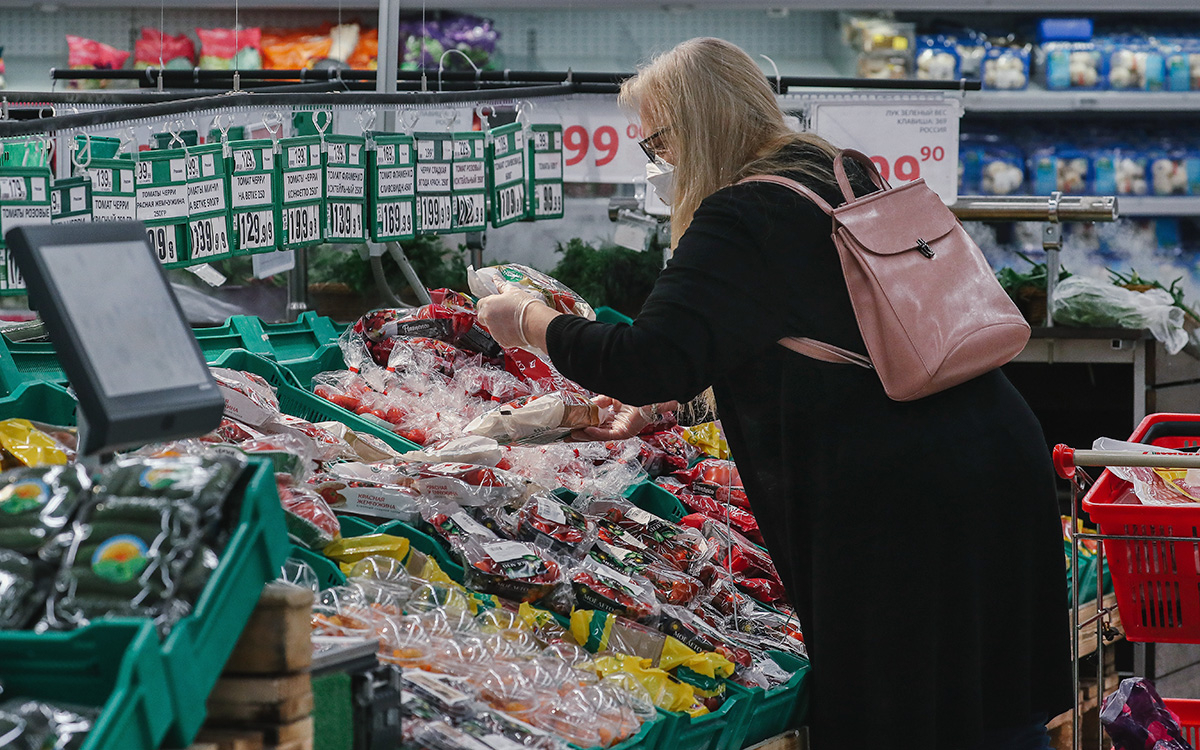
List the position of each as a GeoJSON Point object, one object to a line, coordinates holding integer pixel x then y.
{"type": "Point", "coordinates": [1132, 280]}
{"type": "Point", "coordinates": [1013, 281]}
{"type": "Point", "coordinates": [609, 275]}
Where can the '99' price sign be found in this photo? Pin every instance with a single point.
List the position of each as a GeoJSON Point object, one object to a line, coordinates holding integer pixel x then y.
{"type": "Point", "coordinates": [600, 144]}
{"type": "Point", "coordinates": [907, 140]}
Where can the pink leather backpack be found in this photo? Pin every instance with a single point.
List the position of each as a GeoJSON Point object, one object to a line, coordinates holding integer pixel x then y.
{"type": "Point", "coordinates": [928, 305]}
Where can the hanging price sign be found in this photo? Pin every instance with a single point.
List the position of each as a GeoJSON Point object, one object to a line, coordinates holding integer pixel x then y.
{"type": "Point", "coordinates": [345, 188]}
{"type": "Point", "coordinates": [907, 139]}
{"type": "Point", "coordinates": [435, 157]}
{"type": "Point", "coordinates": [469, 182]}
{"type": "Point", "coordinates": [209, 232]}
{"type": "Point", "coordinates": [393, 187]}
{"type": "Point", "coordinates": [302, 184]}
{"type": "Point", "coordinates": [114, 197]}
{"type": "Point", "coordinates": [507, 176]}
{"type": "Point", "coordinates": [546, 171]}
{"type": "Point", "coordinates": [24, 201]}
{"type": "Point", "coordinates": [71, 201]}
{"type": "Point", "coordinates": [253, 196]}
{"type": "Point", "coordinates": [162, 202]}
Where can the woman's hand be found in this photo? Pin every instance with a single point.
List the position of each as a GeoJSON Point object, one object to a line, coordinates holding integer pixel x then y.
{"type": "Point", "coordinates": [502, 314]}
{"type": "Point", "coordinates": [627, 422]}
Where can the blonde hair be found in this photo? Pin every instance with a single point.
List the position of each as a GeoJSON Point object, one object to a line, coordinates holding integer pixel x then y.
{"type": "Point", "coordinates": [722, 122]}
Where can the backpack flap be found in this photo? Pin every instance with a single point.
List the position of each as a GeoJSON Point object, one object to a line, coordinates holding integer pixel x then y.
{"type": "Point", "coordinates": [892, 221]}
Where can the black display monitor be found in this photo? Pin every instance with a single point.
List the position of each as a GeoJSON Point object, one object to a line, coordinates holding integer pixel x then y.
{"type": "Point", "coordinates": [120, 334]}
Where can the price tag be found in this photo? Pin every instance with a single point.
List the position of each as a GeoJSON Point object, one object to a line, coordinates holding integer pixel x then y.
{"type": "Point", "coordinates": [209, 225]}
{"type": "Point", "coordinates": [546, 171]}
{"type": "Point", "coordinates": [254, 197]}
{"type": "Point", "coordinates": [469, 182]}
{"type": "Point", "coordinates": [907, 139]}
{"type": "Point", "coordinates": [162, 202]}
{"type": "Point", "coordinates": [507, 175]}
{"type": "Point", "coordinates": [435, 209]}
{"type": "Point", "coordinates": [71, 201]}
{"type": "Point", "coordinates": [345, 188]}
{"type": "Point", "coordinates": [302, 184]}
{"type": "Point", "coordinates": [25, 200]}
{"type": "Point", "coordinates": [114, 196]}
{"type": "Point", "coordinates": [393, 185]}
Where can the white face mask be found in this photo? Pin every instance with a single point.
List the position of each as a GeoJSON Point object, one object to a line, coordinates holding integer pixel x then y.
{"type": "Point", "coordinates": [661, 177]}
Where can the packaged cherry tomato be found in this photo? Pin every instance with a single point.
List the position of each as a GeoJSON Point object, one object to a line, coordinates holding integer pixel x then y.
{"type": "Point", "coordinates": [703, 507]}
{"type": "Point", "coordinates": [551, 523]}
{"type": "Point", "coordinates": [248, 398]}
{"type": "Point", "coordinates": [467, 484]}
{"type": "Point", "coordinates": [512, 570]}
{"type": "Point", "coordinates": [345, 388]}
{"type": "Point", "coordinates": [597, 586]}
{"type": "Point", "coordinates": [668, 451]}
{"type": "Point", "coordinates": [310, 520]}
{"type": "Point", "coordinates": [718, 479]}
{"type": "Point", "coordinates": [678, 547]}
{"type": "Point", "coordinates": [487, 281]}
{"type": "Point", "coordinates": [470, 449]}
{"type": "Point", "coordinates": [450, 523]}
{"type": "Point", "coordinates": [356, 488]}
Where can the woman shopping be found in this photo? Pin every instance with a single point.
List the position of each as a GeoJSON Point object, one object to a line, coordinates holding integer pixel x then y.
{"type": "Point", "coordinates": [919, 541]}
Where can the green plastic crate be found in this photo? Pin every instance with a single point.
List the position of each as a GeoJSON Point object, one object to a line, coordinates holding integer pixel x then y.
{"type": "Point", "coordinates": [198, 646]}
{"type": "Point", "coordinates": [780, 708]}
{"type": "Point", "coordinates": [300, 339]}
{"type": "Point", "coordinates": [113, 664]}
{"type": "Point", "coordinates": [649, 496]}
{"type": "Point", "coordinates": [22, 361]}
{"type": "Point", "coordinates": [328, 573]}
{"type": "Point", "coordinates": [723, 729]}
{"type": "Point", "coordinates": [609, 315]}
{"type": "Point", "coordinates": [352, 526]}
{"type": "Point", "coordinates": [300, 403]}
{"type": "Point", "coordinates": [44, 402]}
{"type": "Point", "coordinates": [325, 359]}
{"type": "Point", "coordinates": [427, 544]}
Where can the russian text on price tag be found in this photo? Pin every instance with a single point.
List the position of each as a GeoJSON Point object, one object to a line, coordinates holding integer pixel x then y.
{"type": "Point", "coordinates": [434, 207]}
{"type": "Point", "coordinates": [907, 139]}
{"type": "Point", "coordinates": [162, 202]}
{"type": "Point", "coordinates": [468, 183]}
{"type": "Point", "coordinates": [114, 196]}
{"type": "Point", "coordinates": [254, 196]}
{"type": "Point", "coordinates": [546, 171]}
{"type": "Point", "coordinates": [71, 201]}
{"type": "Point", "coordinates": [208, 205]}
{"type": "Point", "coordinates": [345, 188]}
{"type": "Point", "coordinates": [392, 187]}
{"type": "Point", "coordinates": [25, 197]}
{"type": "Point", "coordinates": [507, 174]}
{"type": "Point", "coordinates": [302, 188]}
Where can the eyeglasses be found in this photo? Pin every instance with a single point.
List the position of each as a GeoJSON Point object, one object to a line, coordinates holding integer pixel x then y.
{"type": "Point", "coordinates": [651, 145]}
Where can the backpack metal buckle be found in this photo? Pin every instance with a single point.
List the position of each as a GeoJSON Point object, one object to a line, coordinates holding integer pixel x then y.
{"type": "Point", "coordinates": [924, 247]}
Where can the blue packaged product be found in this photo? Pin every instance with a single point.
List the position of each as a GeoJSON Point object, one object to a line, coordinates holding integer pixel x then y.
{"type": "Point", "coordinates": [1061, 168]}
{"type": "Point", "coordinates": [1006, 68]}
{"type": "Point", "coordinates": [1135, 66]}
{"type": "Point", "coordinates": [1182, 63]}
{"type": "Point", "coordinates": [1072, 65]}
{"type": "Point", "coordinates": [1131, 172]}
{"type": "Point", "coordinates": [1174, 171]}
{"type": "Point", "coordinates": [1064, 30]}
{"type": "Point", "coordinates": [937, 59]}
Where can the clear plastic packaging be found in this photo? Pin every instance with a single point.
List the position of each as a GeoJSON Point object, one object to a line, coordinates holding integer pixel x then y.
{"type": "Point", "coordinates": [248, 398]}
{"type": "Point", "coordinates": [341, 611]}
{"type": "Point", "coordinates": [547, 522]}
{"type": "Point", "coordinates": [404, 642]}
{"type": "Point", "coordinates": [678, 547]}
{"type": "Point", "coordinates": [487, 281]}
{"type": "Point", "coordinates": [599, 587]}
{"type": "Point", "coordinates": [1006, 68]}
{"type": "Point", "coordinates": [300, 573]}
{"type": "Point", "coordinates": [36, 504]}
{"type": "Point", "coordinates": [35, 725]}
{"type": "Point", "coordinates": [505, 688]}
{"type": "Point", "coordinates": [18, 587]}
{"type": "Point", "coordinates": [310, 521]}
{"type": "Point", "coordinates": [542, 418]}
{"type": "Point", "coordinates": [513, 570]}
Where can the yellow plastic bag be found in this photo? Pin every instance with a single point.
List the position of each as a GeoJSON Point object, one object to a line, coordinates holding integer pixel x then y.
{"type": "Point", "coordinates": [349, 550]}
{"type": "Point", "coordinates": [708, 438]}
{"type": "Point", "coordinates": [29, 445]}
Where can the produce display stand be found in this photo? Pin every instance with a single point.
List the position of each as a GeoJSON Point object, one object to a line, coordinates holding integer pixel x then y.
{"type": "Point", "coordinates": [1155, 568]}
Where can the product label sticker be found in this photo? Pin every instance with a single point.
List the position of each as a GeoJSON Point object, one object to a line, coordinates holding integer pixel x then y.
{"type": "Point", "coordinates": [24, 496]}
{"type": "Point", "coordinates": [504, 550]}
{"type": "Point", "coordinates": [551, 510]}
{"type": "Point", "coordinates": [639, 516]}
{"type": "Point", "coordinates": [120, 558]}
{"type": "Point", "coordinates": [470, 525]}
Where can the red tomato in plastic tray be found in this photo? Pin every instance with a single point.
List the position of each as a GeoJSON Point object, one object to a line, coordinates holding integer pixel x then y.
{"type": "Point", "coordinates": [594, 590]}
{"type": "Point", "coordinates": [546, 516]}
{"type": "Point", "coordinates": [513, 570]}
{"type": "Point", "coordinates": [679, 548]}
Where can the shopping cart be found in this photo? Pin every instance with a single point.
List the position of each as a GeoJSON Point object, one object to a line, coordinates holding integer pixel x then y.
{"type": "Point", "coordinates": [1154, 550]}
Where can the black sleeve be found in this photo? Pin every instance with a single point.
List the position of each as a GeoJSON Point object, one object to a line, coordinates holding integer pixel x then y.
{"type": "Point", "coordinates": [709, 310]}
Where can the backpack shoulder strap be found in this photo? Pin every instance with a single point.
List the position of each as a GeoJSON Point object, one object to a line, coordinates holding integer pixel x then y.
{"type": "Point", "coordinates": [825, 352]}
{"type": "Point", "coordinates": [791, 185]}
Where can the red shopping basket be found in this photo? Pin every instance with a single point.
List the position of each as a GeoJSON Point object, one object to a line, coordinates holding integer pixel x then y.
{"type": "Point", "coordinates": [1188, 712]}
{"type": "Point", "coordinates": [1157, 583]}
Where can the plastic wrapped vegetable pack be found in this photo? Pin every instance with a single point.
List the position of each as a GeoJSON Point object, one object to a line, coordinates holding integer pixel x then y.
{"type": "Point", "coordinates": [1136, 718]}
{"type": "Point", "coordinates": [487, 281]}
{"type": "Point", "coordinates": [36, 725]}
{"type": "Point", "coordinates": [1097, 304]}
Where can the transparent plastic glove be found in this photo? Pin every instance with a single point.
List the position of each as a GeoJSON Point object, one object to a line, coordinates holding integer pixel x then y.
{"type": "Point", "coordinates": [503, 315]}
{"type": "Point", "coordinates": [628, 421]}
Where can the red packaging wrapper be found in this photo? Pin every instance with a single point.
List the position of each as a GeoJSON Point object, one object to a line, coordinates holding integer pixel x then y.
{"type": "Point", "coordinates": [716, 478]}
{"type": "Point", "coordinates": [451, 298]}
{"type": "Point", "coordinates": [154, 46]}
{"type": "Point", "coordinates": [765, 591]}
{"type": "Point", "coordinates": [534, 370]}
{"type": "Point", "coordinates": [740, 519]}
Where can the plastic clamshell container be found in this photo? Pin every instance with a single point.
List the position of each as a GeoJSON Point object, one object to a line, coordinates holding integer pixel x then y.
{"type": "Point", "coordinates": [300, 403]}
{"type": "Point", "coordinates": [1157, 583]}
{"type": "Point", "coordinates": [197, 647]}
{"type": "Point", "coordinates": [723, 729]}
{"type": "Point", "coordinates": [113, 664]}
{"type": "Point", "coordinates": [424, 543]}
{"type": "Point", "coordinates": [782, 707]}
{"type": "Point", "coordinates": [328, 573]}
{"type": "Point", "coordinates": [300, 339]}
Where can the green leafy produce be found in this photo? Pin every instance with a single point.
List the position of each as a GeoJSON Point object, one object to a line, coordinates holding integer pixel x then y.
{"type": "Point", "coordinates": [1133, 281]}
{"type": "Point", "coordinates": [610, 275]}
